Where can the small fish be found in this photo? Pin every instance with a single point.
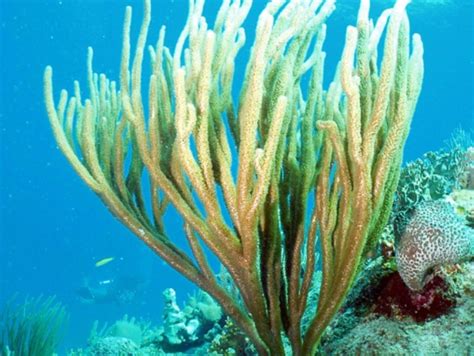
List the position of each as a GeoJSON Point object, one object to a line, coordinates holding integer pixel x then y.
{"type": "Point", "coordinates": [104, 261]}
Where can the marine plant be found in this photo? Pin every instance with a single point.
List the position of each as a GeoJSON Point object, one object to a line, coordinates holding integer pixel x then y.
{"type": "Point", "coordinates": [33, 327]}
{"type": "Point", "coordinates": [261, 181]}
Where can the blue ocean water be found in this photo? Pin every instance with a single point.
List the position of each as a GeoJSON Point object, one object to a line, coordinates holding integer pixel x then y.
{"type": "Point", "coordinates": [53, 229]}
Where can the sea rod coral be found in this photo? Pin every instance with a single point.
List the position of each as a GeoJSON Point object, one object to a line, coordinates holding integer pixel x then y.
{"type": "Point", "coordinates": [243, 174]}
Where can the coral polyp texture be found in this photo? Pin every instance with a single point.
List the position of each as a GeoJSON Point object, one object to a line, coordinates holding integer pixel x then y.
{"type": "Point", "coordinates": [434, 236]}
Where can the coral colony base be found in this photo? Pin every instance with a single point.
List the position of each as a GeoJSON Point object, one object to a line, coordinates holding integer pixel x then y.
{"type": "Point", "coordinates": [291, 140]}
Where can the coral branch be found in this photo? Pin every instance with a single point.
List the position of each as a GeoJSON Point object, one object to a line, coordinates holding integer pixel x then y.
{"type": "Point", "coordinates": [288, 142]}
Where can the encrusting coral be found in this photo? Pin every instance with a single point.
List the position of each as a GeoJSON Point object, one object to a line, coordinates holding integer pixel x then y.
{"type": "Point", "coordinates": [243, 175]}
{"type": "Point", "coordinates": [433, 177]}
{"type": "Point", "coordinates": [435, 235]}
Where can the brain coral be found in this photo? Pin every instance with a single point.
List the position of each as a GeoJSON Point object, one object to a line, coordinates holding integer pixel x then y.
{"type": "Point", "coordinates": [435, 235]}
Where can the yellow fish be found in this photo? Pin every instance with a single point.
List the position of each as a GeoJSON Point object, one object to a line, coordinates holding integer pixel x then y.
{"type": "Point", "coordinates": [104, 261]}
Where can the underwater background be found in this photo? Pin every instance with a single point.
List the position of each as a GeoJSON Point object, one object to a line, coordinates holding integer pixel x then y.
{"type": "Point", "coordinates": [54, 230]}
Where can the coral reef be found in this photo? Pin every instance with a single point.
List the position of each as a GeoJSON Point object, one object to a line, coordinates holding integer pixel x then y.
{"type": "Point", "coordinates": [395, 300]}
{"type": "Point", "coordinates": [382, 316]}
{"type": "Point", "coordinates": [435, 235]}
{"type": "Point", "coordinates": [439, 175]}
{"type": "Point", "coordinates": [125, 336]}
{"type": "Point", "coordinates": [113, 346]}
{"type": "Point", "coordinates": [361, 330]}
{"type": "Point", "coordinates": [188, 328]}
{"type": "Point", "coordinates": [230, 341]}
{"type": "Point", "coordinates": [467, 178]}
{"type": "Point", "coordinates": [463, 203]}
{"type": "Point", "coordinates": [204, 307]}
{"type": "Point", "coordinates": [184, 330]}
{"type": "Point", "coordinates": [130, 328]}
{"type": "Point", "coordinates": [181, 329]}
{"type": "Point", "coordinates": [177, 329]}
{"type": "Point", "coordinates": [432, 177]}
